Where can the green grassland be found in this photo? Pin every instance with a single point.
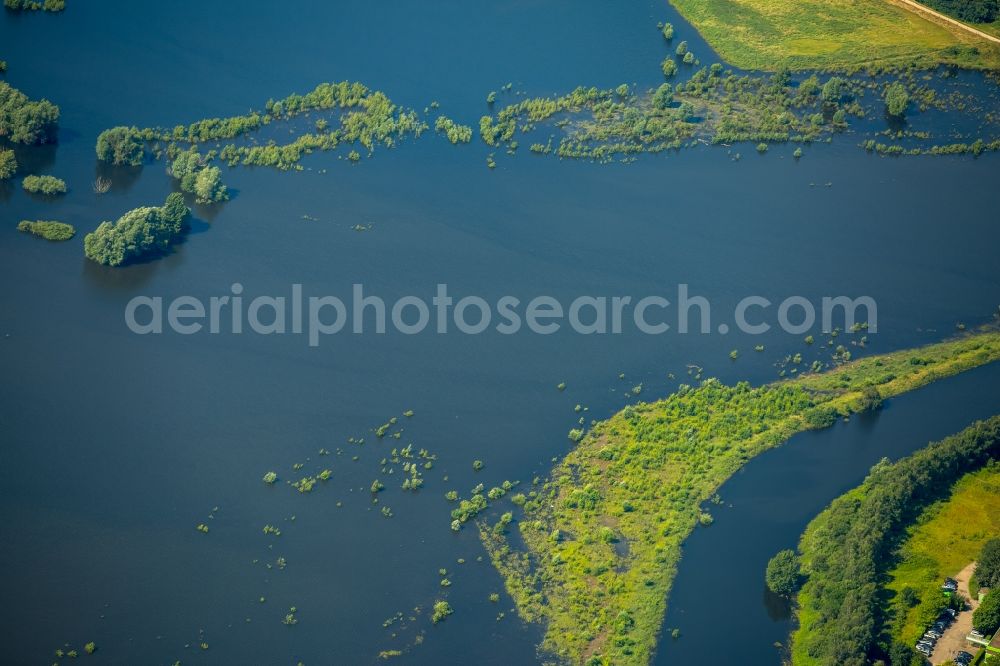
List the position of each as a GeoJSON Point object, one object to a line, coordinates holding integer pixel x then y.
{"type": "Point", "coordinates": [602, 537]}
{"type": "Point", "coordinates": [947, 537]}
{"type": "Point", "coordinates": [839, 35]}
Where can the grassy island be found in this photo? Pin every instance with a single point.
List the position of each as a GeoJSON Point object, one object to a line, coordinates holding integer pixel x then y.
{"type": "Point", "coordinates": [847, 550]}
{"type": "Point", "coordinates": [53, 231]}
{"type": "Point", "coordinates": [602, 537]}
{"type": "Point", "coordinates": [845, 35]}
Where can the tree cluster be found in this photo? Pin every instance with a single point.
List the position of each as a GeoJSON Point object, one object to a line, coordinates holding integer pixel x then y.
{"type": "Point", "coordinates": [23, 120]}
{"type": "Point", "coordinates": [137, 233]}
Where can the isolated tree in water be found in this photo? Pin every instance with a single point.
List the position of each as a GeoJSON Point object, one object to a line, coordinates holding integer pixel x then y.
{"type": "Point", "coordinates": [896, 99]}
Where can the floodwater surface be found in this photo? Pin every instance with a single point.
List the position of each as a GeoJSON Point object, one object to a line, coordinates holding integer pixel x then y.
{"type": "Point", "coordinates": [116, 446]}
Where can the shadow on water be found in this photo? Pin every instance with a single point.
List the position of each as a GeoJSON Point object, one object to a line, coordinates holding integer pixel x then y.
{"type": "Point", "coordinates": [778, 608]}
{"type": "Point", "coordinates": [120, 178]}
{"type": "Point", "coordinates": [34, 159]}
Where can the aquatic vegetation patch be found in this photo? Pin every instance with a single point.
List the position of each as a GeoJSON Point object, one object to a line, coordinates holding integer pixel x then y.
{"type": "Point", "coordinates": [34, 5]}
{"type": "Point", "coordinates": [49, 230]}
{"type": "Point", "coordinates": [369, 118]}
{"type": "Point", "coordinates": [198, 178]}
{"type": "Point", "coordinates": [8, 163]}
{"type": "Point", "coordinates": [645, 474]}
{"type": "Point", "coordinates": [23, 120]}
{"type": "Point", "coordinates": [44, 185]}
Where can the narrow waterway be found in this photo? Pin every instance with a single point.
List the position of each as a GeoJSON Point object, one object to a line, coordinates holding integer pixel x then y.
{"type": "Point", "coordinates": [719, 601]}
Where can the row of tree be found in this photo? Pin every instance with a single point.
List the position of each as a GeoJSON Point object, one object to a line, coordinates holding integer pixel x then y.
{"type": "Point", "coordinates": [847, 549]}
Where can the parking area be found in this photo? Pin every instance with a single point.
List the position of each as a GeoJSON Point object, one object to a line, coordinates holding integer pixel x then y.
{"type": "Point", "coordinates": [952, 640]}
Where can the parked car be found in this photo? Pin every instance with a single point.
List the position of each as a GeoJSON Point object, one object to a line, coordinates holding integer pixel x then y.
{"type": "Point", "coordinates": [932, 633]}
{"type": "Point", "coordinates": [923, 649]}
{"type": "Point", "coordinates": [963, 658]}
{"type": "Point", "coordinates": [952, 613]}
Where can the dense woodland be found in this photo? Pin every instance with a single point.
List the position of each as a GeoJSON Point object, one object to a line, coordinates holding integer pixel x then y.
{"type": "Point", "coordinates": [847, 550]}
{"type": "Point", "coordinates": [973, 11]}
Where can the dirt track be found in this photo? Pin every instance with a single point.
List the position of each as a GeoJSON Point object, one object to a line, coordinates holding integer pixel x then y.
{"type": "Point", "coordinates": [944, 18]}
{"type": "Point", "coordinates": [953, 639]}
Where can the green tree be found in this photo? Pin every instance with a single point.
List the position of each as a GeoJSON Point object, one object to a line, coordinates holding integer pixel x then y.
{"type": "Point", "coordinates": [870, 399]}
{"type": "Point", "coordinates": [986, 618]}
{"type": "Point", "coordinates": [896, 99]}
{"type": "Point", "coordinates": [988, 565]}
{"type": "Point", "coordinates": [682, 48]}
{"type": "Point", "coordinates": [120, 145]}
{"type": "Point", "coordinates": [782, 574]}
{"type": "Point", "coordinates": [137, 233]}
{"type": "Point", "coordinates": [8, 164]}
{"type": "Point", "coordinates": [669, 67]}
{"type": "Point", "coordinates": [44, 185]}
{"type": "Point", "coordinates": [23, 120]}
{"type": "Point", "coordinates": [663, 96]}
{"type": "Point", "coordinates": [208, 186]}
{"type": "Point", "coordinates": [833, 90]}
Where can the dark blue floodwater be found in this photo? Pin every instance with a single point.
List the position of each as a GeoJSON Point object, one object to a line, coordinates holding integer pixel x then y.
{"type": "Point", "coordinates": [115, 446]}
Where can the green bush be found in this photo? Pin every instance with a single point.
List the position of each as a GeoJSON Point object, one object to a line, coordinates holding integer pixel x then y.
{"type": "Point", "coordinates": [8, 164]}
{"type": "Point", "coordinates": [53, 231]}
{"type": "Point", "coordinates": [782, 576]}
{"type": "Point", "coordinates": [44, 185]}
{"type": "Point", "coordinates": [986, 619]}
{"type": "Point", "coordinates": [120, 145]}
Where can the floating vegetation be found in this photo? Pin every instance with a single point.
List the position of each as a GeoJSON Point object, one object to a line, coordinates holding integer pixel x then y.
{"type": "Point", "coordinates": [202, 527]}
{"type": "Point", "coordinates": [290, 618]}
{"type": "Point", "coordinates": [477, 465]}
{"type": "Point", "coordinates": [270, 477]}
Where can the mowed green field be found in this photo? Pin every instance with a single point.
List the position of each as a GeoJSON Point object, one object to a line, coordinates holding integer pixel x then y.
{"type": "Point", "coordinates": [831, 34]}
{"type": "Point", "coordinates": [947, 538]}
